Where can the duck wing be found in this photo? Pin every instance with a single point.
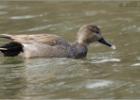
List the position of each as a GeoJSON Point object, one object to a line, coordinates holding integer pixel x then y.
{"type": "Point", "coordinates": [48, 39]}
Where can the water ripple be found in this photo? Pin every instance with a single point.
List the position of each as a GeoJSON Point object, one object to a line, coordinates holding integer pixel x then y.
{"type": "Point", "coordinates": [3, 12]}
{"type": "Point", "coordinates": [38, 28]}
{"type": "Point", "coordinates": [90, 13]}
{"type": "Point", "coordinates": [22, 17]}
{"type": "Point", "coordinates": [108, 60]}
{"type": "Point", "coordinates": [122, 19]}
{"type": "Point", "coordinates": [99, 84]}
{"type": "Point", "coordinates": [136, 64]}
{"type": "Point", "coordinates": [105, 57]}
{"type": "Point", "coordinates": [131, 28]}
{"type": "Point", "coordinates": [138, 58]}
{"type": "Point", "coordinates": [3, 6]}
{"type": "Point", "coordinates": [25, 17]}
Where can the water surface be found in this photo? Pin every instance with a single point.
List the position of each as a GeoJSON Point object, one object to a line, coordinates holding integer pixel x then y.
{"type": "Point", "coordinates": [105, 73]}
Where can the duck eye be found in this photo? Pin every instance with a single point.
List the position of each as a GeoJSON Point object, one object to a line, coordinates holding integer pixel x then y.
{"type": "Point", "coordinates": [98, 32]}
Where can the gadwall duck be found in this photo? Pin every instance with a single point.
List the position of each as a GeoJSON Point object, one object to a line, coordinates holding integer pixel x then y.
{"type": "Point", "coordinates": [48, 45]}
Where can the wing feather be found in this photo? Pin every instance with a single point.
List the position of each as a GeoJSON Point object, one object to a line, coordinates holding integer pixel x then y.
{"type": "Point", "coordinates": [39, 38]}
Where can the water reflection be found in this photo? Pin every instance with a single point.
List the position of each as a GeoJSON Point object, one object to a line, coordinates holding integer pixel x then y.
{"type": "Point", "coordinates": [12, 78]}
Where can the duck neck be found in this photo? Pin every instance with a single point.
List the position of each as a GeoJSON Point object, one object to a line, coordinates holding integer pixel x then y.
{"type": "Point", "coordinates": [82, 44]}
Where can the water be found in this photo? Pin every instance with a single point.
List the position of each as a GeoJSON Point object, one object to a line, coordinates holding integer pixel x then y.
{"type": "Point", "coordinates": [104, 74]}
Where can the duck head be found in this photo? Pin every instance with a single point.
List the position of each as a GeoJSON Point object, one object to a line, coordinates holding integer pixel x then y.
{"type": "Point", "coordinates": [90, 33]}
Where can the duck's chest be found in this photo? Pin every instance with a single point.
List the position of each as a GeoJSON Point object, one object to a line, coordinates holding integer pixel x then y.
{"type": "Point", "coordinates": [78, 51]}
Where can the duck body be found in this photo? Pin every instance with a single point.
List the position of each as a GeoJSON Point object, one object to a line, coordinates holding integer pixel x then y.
{"type": "Point", "coordinates": [48, 45]}
{"type": "Point", "coordinates": [42, 45]}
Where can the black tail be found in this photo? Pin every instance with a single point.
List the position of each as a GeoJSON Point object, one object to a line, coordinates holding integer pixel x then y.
{"type": "Point", "coordinates": [11, 49]}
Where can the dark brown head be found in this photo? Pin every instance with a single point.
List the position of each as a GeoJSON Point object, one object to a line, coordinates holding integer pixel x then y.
{"type": "Point", "coordinates": [91, 33]}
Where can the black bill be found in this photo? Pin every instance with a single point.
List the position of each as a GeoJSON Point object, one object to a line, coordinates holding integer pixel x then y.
{"type": "Point", "coordinates": [103, 41]}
